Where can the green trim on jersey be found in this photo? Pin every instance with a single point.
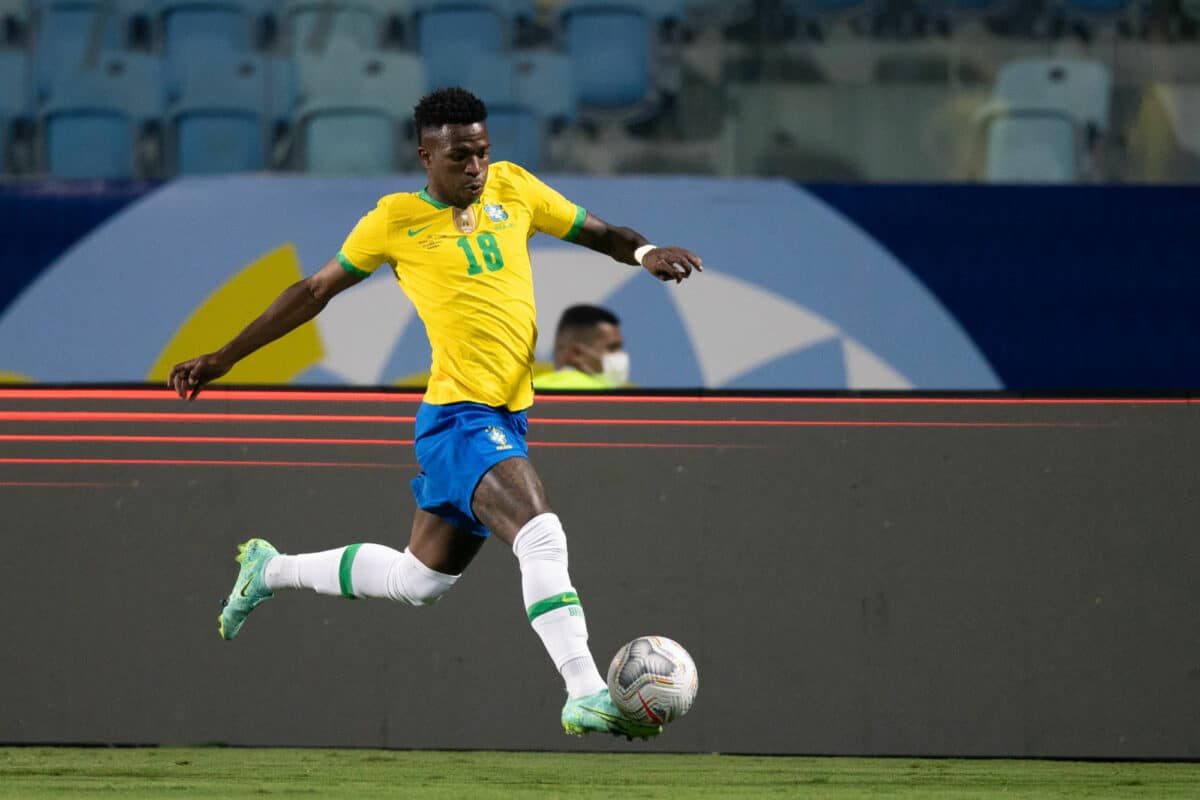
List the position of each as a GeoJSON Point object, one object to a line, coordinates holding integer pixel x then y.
{"type": "Point", "coordinates": [551, 603]}
{"type": "Point", "coordinates": [577, 225]}
{"type": "Point", "coordinates": [424, 195]}
{"type": "Point", "coordinates": [428, 198]}
{"type": "Point", "coordinates": [344, 581]}
{"type": "Point", "coordinates": [346, 265]}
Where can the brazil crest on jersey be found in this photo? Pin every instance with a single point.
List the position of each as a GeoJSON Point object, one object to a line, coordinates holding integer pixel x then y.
{"type": "Point", "coordinates": [473, 291]}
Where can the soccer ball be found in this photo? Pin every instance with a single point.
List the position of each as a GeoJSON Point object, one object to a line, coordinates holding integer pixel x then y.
{"type": "Point", "coordinates": [653, 680]}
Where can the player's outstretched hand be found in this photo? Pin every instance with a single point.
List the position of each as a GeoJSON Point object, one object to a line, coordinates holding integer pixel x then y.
{"type": "Point", "coordinates": [187, 378]}
{"type": "Point", "coordinates": [672, 263]}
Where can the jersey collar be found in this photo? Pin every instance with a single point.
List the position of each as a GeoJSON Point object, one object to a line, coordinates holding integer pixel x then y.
{"type": "Point", "coordinates": [424, 195]}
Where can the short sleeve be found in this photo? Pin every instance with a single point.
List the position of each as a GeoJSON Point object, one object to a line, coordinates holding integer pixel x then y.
{"type": "Point", "coordinates": [365, 249]}
{"type": "Point", "coordinates": [553, 214]}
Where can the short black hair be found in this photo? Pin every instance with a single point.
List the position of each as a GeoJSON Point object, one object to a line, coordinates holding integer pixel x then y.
{"type": "Point", "coordinates": [449, 106]}
{"type": "Point", "coordinates": [583, 316]}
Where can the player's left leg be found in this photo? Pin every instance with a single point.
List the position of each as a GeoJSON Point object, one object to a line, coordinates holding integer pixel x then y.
{"type": "Point", "coordinates": [436, 555]}
{"type": "Point", "coordinates": [434, 560]}
{"type": "Point", "coordinates": [511, 502]}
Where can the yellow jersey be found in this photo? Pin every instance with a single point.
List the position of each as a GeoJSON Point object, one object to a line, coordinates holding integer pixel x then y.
{"type": "Point", "coordinates": [473, 290]}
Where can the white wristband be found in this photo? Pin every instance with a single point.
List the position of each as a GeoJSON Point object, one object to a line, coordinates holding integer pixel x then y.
{"type": "Point", "coordinates": [640, 253]}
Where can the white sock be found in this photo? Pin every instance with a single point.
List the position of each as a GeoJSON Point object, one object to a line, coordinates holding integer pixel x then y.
{"type": "Point", "coordinates": [360, 570]}
{"type": "Point", "coordinates": [552, 604]}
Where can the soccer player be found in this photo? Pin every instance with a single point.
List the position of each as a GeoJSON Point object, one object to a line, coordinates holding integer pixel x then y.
{"type": "Point", "coordinates": [459, 249]}
{"type": "Point", "coordinates": [589, 351]}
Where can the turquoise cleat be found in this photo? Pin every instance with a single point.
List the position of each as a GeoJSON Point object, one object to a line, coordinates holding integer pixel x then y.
{"type": "Point", "coordinates": [249, 589]}
{"type": "Point", "coordinates": [596, 712]}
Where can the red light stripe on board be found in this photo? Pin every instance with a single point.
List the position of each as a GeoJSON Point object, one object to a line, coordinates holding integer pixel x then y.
{"type": "Point", "coordinates": [138, 439]}
{"type": "Point", "coordinates": [284, 395]}
{"type": "Point", "coordinates": [184, 416]}
{"type": "Point", "coordinates": [367, 396]}
{"type": "Point", "coordinates": [145, 439]}
{"type": "Point", "coordinates": [151, 416]}
{"type": "Point", "coordinates": [201, 462]}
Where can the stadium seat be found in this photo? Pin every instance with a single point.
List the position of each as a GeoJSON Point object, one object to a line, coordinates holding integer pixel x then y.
{"type": "Point", "coordinates": [612, 46]}
{"type": "Point", "coordinates": [351, 108]}
{"type": "Point", "coordinates": [316, 25]}
{"type": "Point", "coordinates": [207, 26]}
{"type": "Point", "coordinates": [14, 100]}
{"type": "Point", "coordinates": [448, 32]}
{"type": "Point", "coordinates": [206, 34]}
{"type": "Point", "coordinates": [1031, 101]}
{"type": "Point", "coordinates": [544, 82]}
{"type": "Point", "coordinates": [71, 32]}
{"type": "Point", "coordinates": [91, 123]}
{"type": "Point", "coordinates": [516, 135]}
{"type": "Point", "coordinates": [216, 120]}
{"type": "Point", "coordinates": [1079, 88]}
{"type": "Point", "coordinates": [1032, 147]}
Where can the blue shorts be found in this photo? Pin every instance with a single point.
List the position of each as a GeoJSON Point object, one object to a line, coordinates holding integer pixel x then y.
{"type": "Point", "coordinates": [456, 445]}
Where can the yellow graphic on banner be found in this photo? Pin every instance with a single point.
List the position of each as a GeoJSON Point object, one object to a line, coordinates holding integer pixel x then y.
{"type": "Point", "coordinates": [14, 377]}
{"type": "Point", "coordinates": [230, 308]}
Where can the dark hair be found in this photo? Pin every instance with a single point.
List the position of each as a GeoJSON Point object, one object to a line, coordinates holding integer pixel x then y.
{"type": "Point", "coordinates": [451, 106]}
{"type": "Point", "coordinates": [581, 317]}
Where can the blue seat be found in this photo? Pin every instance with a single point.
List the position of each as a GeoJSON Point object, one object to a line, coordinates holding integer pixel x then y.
{"type": "Point", "coordinates": [545, 82]}
{"type": "Point", "coordinates": [516, 135]}
{"type": "Point", "coordinates": [449, 33]}
{"type": "Point", "coordinates": [91, 122]}
{"type": "Point", "coordinates": [197, 32]}
{"type": "Point", "coordinates": [71, 31]}
{"type": "Point", "coordinates": [216, 120]}
{"type": "Point", "coordinates": [610, 50]}
{"type": "Point", "coordinates": [351, 106]}
{"type": "Point", "coordinates": [341, 141]}
{"type": "Point", "coordinates": [1032, 147]}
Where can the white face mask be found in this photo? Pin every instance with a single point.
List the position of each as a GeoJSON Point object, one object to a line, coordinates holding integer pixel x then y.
{"type": "Point", "coordinates": [615, 367]}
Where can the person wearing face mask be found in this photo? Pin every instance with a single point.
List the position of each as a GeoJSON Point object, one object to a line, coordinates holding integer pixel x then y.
{"type": "Point", "coordinates": [589, 352]}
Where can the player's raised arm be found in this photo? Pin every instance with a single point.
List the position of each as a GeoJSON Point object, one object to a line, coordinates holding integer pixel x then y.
{"type": "Point", "coordinates": [630, 247]}
{"type": "Point", "coordinates": [295, 306]}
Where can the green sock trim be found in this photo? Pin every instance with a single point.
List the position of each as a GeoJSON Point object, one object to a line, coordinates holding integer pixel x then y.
{"type": "Point", "coordinates": [347, 564]}
{"type": "Point", "coordinates": [551, 603]}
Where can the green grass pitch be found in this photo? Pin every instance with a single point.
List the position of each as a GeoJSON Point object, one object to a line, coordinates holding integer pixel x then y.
{"type": "Point", "coordinates": [54, 772]}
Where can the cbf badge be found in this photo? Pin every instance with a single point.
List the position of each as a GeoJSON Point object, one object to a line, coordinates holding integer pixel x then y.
{"type": "Point", "coordinates": [498, 438]}
{"type": "Point", "coordinates": [496, 213]}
